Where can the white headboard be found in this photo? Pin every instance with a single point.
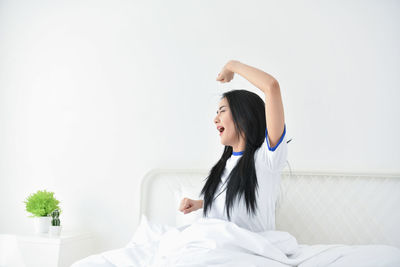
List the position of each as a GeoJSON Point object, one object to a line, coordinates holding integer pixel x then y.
{"type": "Point", "coordinates": [315, 207]}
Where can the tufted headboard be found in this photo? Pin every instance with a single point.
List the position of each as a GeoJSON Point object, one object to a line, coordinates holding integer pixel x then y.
{"type": "Point", "coordinates": [315, 207]}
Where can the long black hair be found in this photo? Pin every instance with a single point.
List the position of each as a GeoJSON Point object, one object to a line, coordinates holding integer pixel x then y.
{"type": "Point", "coordinates": [248, 114]}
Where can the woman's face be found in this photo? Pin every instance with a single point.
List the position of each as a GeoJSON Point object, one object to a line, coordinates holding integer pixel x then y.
{"type": "Point", "coordinates": [224, 119]}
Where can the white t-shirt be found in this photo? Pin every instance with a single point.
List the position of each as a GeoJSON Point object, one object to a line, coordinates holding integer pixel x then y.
{"type": "Point", "coordinates": [269, 163]}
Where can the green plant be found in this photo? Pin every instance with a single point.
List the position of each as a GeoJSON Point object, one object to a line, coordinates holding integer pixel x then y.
{"type": "Point", "coordinates": [55, 221]}
{"type": "Point", "coordinates": [42, 203]}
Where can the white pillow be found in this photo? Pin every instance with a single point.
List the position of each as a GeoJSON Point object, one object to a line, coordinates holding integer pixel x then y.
{"type": "Point", "coordinates": [148, 232]}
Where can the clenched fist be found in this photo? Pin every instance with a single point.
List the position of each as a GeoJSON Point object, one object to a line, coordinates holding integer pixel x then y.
{"type": "Point", "coordinates": [189, 205]}
{"type": "Point", "coordinates": [226, 74]}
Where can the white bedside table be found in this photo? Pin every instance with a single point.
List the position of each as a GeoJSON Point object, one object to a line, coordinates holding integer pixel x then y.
{"type": "Point", "coordinates": [40, 250]}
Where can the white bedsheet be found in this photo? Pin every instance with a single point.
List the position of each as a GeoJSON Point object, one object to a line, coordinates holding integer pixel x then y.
{"type": "Point", "coordinates": [215, 242]}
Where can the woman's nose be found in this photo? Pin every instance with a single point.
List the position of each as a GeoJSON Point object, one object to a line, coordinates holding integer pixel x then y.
{"type": "Point", "coordinates": [216, 119]}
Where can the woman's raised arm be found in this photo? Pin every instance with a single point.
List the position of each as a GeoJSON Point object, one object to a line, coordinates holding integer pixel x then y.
{"type": "Point", "coordinates": [274, 114]}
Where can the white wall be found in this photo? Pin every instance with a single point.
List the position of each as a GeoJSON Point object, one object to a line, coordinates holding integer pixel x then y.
{"type": "Point", "coordinates": [94, 94]}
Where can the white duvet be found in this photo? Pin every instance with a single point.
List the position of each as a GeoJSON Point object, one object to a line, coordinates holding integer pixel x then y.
{"type": "Point", "coordinates": [215, 242]}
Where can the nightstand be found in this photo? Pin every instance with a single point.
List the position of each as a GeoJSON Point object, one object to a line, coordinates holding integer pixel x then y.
{"type": "Point", "coordinates": [40, 250]}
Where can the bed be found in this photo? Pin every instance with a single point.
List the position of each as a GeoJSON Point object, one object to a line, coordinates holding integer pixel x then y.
{"type": "Point", "coordinates": [322, 219]}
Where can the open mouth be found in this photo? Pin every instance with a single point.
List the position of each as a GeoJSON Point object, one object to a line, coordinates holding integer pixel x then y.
{"type": "Point", "coordinates": [221, 130]}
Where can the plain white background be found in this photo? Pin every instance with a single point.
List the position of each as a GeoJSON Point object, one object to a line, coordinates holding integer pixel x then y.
{"type": "Point", "coordinates": [94, 94]}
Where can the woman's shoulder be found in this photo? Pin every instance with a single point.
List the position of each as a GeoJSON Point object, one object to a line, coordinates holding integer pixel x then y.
{"type": "Point", "coordinates": [272, 157]}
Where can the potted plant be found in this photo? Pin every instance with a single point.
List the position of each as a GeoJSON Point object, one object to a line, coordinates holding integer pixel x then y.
{"type": "Point", "coordinates": [40, 205]}
{"type": "Point", "coordinates": [55, 227]}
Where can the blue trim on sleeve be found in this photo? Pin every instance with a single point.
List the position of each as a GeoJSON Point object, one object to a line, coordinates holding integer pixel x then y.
{"type": "Point", "coordinates": [280, 140]}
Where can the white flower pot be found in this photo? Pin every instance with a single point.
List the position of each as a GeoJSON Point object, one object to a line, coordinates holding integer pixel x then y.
{"type": "Point", "coordinates": [55, 230]}
{"type": "Point", "coordinates": [42, 224]}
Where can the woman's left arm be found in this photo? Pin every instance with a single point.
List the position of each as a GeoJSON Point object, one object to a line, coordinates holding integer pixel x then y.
{"type": "Point", "coordinates": [269, 85]}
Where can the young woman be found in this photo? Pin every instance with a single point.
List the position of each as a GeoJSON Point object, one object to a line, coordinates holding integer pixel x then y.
{"type": "Point", "coordinates": [243, 185]}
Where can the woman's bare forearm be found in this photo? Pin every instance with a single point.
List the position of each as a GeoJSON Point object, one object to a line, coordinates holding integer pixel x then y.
{"type": "Point", "coordinates": [257, 77]}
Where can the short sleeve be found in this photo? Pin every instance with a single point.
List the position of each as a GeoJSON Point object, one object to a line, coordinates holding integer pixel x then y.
{"type": "Point", "coordinates": [275, 157]}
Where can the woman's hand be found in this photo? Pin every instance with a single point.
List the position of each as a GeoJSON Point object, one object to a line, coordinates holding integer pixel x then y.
{"type": "Point", "coordinates": [189, 205]}
{"type": "Point", "coordinates": [226, 74]}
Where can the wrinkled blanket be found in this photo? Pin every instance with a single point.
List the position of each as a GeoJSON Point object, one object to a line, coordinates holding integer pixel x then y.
{"type": "Point", "coordinates": [215, 242]}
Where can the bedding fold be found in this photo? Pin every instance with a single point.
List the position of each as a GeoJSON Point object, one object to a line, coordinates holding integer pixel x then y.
{"type": "Point", "coordinates": [216, 242]}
